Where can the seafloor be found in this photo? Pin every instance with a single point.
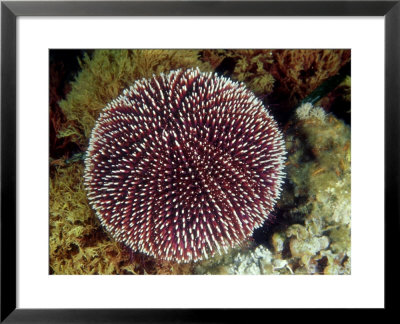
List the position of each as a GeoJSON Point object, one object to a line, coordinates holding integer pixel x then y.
{"type": "Point", "coordinates": [307, 91]}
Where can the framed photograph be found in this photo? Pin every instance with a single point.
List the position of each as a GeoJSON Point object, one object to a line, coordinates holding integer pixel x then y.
{"type": "Point", "coordinates": [179, 154]}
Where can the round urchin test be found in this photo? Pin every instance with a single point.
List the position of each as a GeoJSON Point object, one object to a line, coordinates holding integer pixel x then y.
{"type": "Point", "coordinates": [184, 165]}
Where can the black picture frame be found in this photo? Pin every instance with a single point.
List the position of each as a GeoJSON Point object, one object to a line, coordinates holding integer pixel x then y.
{"type": "Point", "coordinates": [10, 10]}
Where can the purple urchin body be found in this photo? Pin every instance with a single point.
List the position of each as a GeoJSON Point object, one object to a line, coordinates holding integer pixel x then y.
{"type": "Point", "coordinates": [184, 165]}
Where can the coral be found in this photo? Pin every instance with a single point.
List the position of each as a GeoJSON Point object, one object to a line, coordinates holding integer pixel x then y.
{"type": "Point", "coordinates": [57, 90]}
{"type": "Point", "coordinates": [248, 260]}
{"type": "Point", "coordinates": [319, 171]}
{"type": "Point", "coordinates": [249, 66]}
{"type": "Point", "coordinates": [184, 182]}
{"type": "Point", "coordinates": [307, 111]}
{"type": "Point", "coordinates": [106, 74]}
{"type": "Point", "coordinates": [299, 72]}
{"type": "Point", "coordinates": [282, 78]}
{"type": "Point", "coordinates": [78, 245]}
{"type": "Point", "coordinates": [257, 261]}
{"type": "Point", "coordinates": [288, 75]}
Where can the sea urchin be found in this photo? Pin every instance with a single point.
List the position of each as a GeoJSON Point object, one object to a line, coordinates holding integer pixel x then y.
{"type": "Point", "coordinates": [184, 165]}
